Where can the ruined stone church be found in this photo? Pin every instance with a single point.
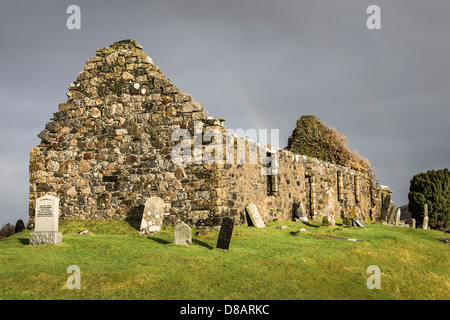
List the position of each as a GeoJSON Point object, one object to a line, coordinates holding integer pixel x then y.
{"type": "Point", "coordinates": [109, 148]}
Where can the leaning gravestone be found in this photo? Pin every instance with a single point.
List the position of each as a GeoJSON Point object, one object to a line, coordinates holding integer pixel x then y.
{"type": "Point", "coordinates": [359, 222]}
{"type": "Point", "coordinates": [46, 222]}
{"type": "Point", "coordinates": [300, 213]}
{"type": "Point", "coordinates": [182, 234]}
{"type": "Point", "coordinates": [392, 213]}
{"type": "Point", "coordinates": [254, 215]}
{"type": "Point", "coordinates": [385, 207]}
{"type": "Point", "coordinates": [226, 230]}
{"type": "Point", "coordinates": [153, 216]}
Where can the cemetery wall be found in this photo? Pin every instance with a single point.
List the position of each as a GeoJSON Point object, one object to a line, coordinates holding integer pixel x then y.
{"type": "Point", "coordinates": [109, 148]}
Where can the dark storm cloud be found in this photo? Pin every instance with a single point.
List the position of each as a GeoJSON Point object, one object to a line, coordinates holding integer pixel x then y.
{"type": "Point", "coordinates": [260, 64]}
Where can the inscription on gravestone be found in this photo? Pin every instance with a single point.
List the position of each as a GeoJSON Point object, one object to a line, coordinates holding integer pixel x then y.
{"type": "Point", "coordinates": [47, 214]}
{"type": "Point", "coordinates": [226, 230]}
{"type": "Point", "coordinates": [46, 221]}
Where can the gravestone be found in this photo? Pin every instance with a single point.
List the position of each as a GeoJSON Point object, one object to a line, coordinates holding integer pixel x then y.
{"type": "Point", "coordinates": [226, 230]}
{"type": "Point", "coordinates": [397, 217]}
{"type": "Point", "coordinates": [153, 216]}
{"type": "Point", "coordinates": [331, 220]}
{"type": "Point", "coordinates": [359, 223]}
{"type": "Point", "coordinates": [254, 215]}
{"type": "Point", "coordinates": [385, 207]}
{"type": "Point", "coordinates": [425, 216]}
{"type": "Point", "coordinates": [19, 226]}
{"type": "Point", "coordinates": [301, 213]}
{"type": "Point", "coordinates": [413, 223]}
{"type": "Point", "coordinates": [182, 234]}
{"type": "Point", "coordinates": [392, 213]}
{"type": "Point", "coordinates": [425, 223]}
{"type": "Point", "coordinates": [46, 222]}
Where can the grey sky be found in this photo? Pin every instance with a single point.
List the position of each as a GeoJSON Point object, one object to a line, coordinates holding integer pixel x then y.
{"type": "Point", "coordinates": [259, 64]}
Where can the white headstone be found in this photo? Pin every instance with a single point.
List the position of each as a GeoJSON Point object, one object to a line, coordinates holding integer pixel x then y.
{"type": "Point", "coordinates": [46, 221]}
{"type": "Point", "coordinates": [153, 216]}
{"type": "Point", "coordinates": [254, 215]}
{"type": "Point", "coordinates": [47, 214]}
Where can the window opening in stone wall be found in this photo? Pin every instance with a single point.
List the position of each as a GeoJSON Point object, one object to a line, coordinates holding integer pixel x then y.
{"type": "Point", "coordinates": [357, 189]}
{"type": "Point", "coordinates": [340, 186]}
{"type": "Point", "coordinates": [272, 181]}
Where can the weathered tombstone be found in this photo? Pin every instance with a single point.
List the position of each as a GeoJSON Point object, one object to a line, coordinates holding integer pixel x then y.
{"type": "Point", "coordinates": [413, 223]}
{"type": "Point", "coordinates": [46, 221]}
{"type": "Point", "coordinates": [392, 213]}
{"type": "Point", "coordinates": [385, 207]}
{"type": "Point", "coordinates": [182, 234]}
{"type": "Point", "coordinates": [425, 223]}
{"type": "Point", "coordinates": [425, 217]}
{"type": "Point", "coordinates": [331, 220]}
{"type": "Point", "coordinates": [300, 213]}
{"type": "Point", "coordinates": [254, 215]}
{"type": "Point", "coordinates": [226, 230]}
{"type": "Point", "coordinates": [153, 216]}
{"type": "Point", "coordinates": [19, 226]}
{"type": "Point", "coordinates": [397, 217]}
{"type": "Point", "coordinates": [359, 223]}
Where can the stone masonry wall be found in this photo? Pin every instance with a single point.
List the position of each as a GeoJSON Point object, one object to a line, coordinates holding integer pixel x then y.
{"type": "Point", "coordinates": [300, 181]}
{"type": "Point", "coordinates": [108, 149]}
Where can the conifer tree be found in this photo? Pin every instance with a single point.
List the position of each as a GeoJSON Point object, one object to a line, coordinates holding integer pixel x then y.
{"type": "Point", "coordinates": [431, 187]}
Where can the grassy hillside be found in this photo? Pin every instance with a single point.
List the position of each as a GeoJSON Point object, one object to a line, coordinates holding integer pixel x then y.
{"type": "Point", "coordinates": [270, 263]}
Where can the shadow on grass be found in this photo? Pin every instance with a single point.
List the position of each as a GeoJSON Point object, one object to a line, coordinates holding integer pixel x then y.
{"type": "Point", "coordinates": [134, 224]}
{"type": "Point", "coordinates": [203, 244]}
{"type": "Point", "coordinates": [198, 242]}
{"type": "Point", "coordinates": [310, 224]}
{"type": "Point", "coordinates": [159, 240]}
{"type": "Point", "coordinates": [24, 241]}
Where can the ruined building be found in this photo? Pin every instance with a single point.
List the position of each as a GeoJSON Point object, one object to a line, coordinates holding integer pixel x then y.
{"type": "Point", "coordinates": [109, 148]}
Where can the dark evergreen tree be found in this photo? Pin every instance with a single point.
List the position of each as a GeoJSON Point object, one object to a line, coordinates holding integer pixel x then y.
{"type": "Point", "coordinates": [431, 187]}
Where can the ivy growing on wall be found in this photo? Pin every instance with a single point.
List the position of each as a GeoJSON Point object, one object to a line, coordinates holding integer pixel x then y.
{"type": "Point", "coordinates": [313, 138]}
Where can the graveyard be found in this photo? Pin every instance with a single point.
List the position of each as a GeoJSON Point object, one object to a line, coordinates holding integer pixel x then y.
{"type": "Point", "coordinates": [276, 261]}
{"type": "Point", "coordinates": [112, 199]}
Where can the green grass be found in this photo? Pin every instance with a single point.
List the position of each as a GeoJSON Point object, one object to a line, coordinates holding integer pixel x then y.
{"type": "Point", "coordinates": [269, 263]}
